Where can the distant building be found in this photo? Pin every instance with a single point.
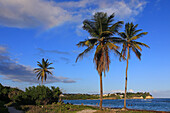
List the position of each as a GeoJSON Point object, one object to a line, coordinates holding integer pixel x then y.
{"type": "Point", "coordinates": [105, 95]}
{"type": "Point", "coordinates": [149, 97]}
{"type": "Point", "coordinates": [138, 97]}
{"type": "Point", "coordinates": [61, 95]}
{"type": "Point", "coordinates": [121, 96]}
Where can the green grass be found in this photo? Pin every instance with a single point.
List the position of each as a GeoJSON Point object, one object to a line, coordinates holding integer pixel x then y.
{"type": "Point", "coordinates": [120, 111]}
{"type": "Point", "coordinates": [55, 108]}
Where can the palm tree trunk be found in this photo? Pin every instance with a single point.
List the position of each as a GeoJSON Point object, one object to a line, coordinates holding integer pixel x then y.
{"type": "Point", "coordinates": [101, 91]}
{"type": "Point", "coordinates": [126, 79]}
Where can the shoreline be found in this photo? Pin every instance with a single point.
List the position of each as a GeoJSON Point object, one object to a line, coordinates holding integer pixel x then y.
{"type": "Point", "coordinates": [117, 99]}
{"type": "Point", "coordinates": [112, 108]}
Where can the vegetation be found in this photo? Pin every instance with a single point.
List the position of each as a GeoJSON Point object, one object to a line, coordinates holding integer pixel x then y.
{"type": "Point", "coordinates": [3, 109]}
{"type": "Point", "coordinates": [43, 69]}
{"type": "Point", "coordinates": [67, 108]}
{"type": "Point", "coordinates": [79, 96]}
{"type": "Point", "coordinates": [8, 94]}
{"type": "Point", "coordinates": [122, 111]}
{"type": "Point", "coordinates": [39, 95]}
{"type": "Point", "coordinates": [129, 38]}
{"type": "Point", "coordinates": [109, 96]}
{"type": "Point", "coordinates": [55, 108]}
{"type": "Point", "coordinates": [101, 30]}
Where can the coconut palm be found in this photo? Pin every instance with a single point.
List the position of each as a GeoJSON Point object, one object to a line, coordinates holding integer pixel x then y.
{"type": "Point", "coordinates": [43, 69]}
{"type": "Point", "coordinates": [101, 30]}
{"type": "Point", "coordinates": [129, 37]}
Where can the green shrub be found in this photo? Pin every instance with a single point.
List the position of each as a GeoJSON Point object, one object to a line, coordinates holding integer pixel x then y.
{"type": "Point", "coordinates": [39, 95]}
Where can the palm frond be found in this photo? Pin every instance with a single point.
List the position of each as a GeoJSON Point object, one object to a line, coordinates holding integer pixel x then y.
{"type": "Point", "coordinates": [89, 26]}
{"type": "Point", "coordinates": [139, 35]}
{"type": "Point", "coordinates": [142, 44]}
{"type": "Point", "coordinates": [49, 72]}
{"type": "Point", "coordinates": [112, 45]}
{"type": "Point", "coordinates": [88, 42]}
{"type": "Point", "coordinates": [84, 52]}
{"type": "Point", "coordinates": [137, 53]}
{"type": "Point", "coordinates": [37, 69]}
{"type": "Point", "coordinates": [115, 27]}
{"type": "Point", "coordinates": [110, 18]}
{"type": "Point", "coordinates": [137, 46]}
{"type": "Point", "coordinates": [50, 68]}
{"type": "Point", "coordinates": [123, 35]}
{"type": "Point", "coordinates": [39, 74]}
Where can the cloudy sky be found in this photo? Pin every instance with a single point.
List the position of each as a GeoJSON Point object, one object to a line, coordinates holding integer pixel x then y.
{"type": "Point", "coordinates": [34, 29]}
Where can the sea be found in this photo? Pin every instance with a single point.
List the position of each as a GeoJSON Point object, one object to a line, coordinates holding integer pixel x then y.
{"type": "Point", "coordinates": [157, 104]}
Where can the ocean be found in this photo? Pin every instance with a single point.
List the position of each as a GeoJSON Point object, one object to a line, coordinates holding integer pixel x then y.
{"type": "Point", "coordinates": [157, 104]}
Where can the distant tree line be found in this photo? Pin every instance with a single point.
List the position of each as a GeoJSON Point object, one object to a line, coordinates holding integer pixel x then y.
{"type": "Point", "coordinates": [113, 96]}
{"type": "Point", "coordinates": [79, 96]}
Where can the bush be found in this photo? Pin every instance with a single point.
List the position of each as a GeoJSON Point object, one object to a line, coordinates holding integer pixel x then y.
{"type": "Point", "coordinates": [3, 109]}
{"type": "Point", "coordinates": [39, 95]}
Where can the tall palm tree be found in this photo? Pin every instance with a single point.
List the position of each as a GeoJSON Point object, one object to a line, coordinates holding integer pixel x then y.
{"type": "Point", "coordinates": [43, 69]}
{"type": "Point", "coordinates": [101, 30]}
{"type": "Point", "coordinates": [129, 37]}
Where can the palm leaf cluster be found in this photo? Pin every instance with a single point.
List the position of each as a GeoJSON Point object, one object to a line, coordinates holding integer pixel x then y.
{"type": "Point", "coordinates": [101, 30]}
{"type": "Point", "coordinates": [43, 69]}
{"type": "Point", "coordinates": [129, 37]}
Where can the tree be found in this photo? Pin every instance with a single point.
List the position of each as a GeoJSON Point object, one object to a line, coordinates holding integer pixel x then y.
{"type": "Point", "coordinates": [43, 70]}
{"type": "Point", "coordinates": [129, 37]}
{"type": "Point", "coordinates": [101, 30]}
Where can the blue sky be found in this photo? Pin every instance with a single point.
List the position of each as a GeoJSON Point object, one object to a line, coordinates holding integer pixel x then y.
{"type": "Point", "coordinates": [34, 29]}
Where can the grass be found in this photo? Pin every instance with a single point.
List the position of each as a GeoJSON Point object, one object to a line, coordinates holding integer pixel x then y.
{"type": "Point", "coordinates": [54, 108]}
{"type": "Point", "coordinates": [67, 108]}
{"type": "Point", "coordinates": [109, 110]}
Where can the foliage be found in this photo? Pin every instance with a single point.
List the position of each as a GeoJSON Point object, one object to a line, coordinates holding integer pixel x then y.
{"type": "Point", "coordinates": [138, 94]}
{"type": "Point", "coordinates": [43, 69]}
{"type": "Point", "coordinates": [67, 108]}
{"type": "Point", "coordinates": [33, 95]}
{"type": "Point", "coordinates": [129, 37]}
{"type": "Point", "coordinates": [3, 109]}
{"type": "Point", "coordinates": [110, 96]}
{"type": "Point", "coordinates": [101, 30]}
{"type": "Point", "coordinates": [8, 94]}
{"type": "Point", "coordinates": [39, 95]}
{"type": "Point", "coordinates": [55, 108]}
{"type": "Point", "coordinates": [79, 96]}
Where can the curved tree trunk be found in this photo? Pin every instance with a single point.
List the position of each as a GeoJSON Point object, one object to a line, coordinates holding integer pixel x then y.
{"type": "Point", "coordinates": [101, 91]}
{"type": "Point", "coordinates": [126, 79]}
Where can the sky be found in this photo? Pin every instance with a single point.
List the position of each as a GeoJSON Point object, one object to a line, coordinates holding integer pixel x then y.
{"type": "Point", "coordinates": [34, 29]}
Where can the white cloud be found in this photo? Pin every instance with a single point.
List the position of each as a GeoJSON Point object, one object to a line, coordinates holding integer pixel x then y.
{"type": "Point", "coordinates": [31, 13]}
{"type": "Point", "coordinates": [48, 13]}
{"type": "Point", "coordinates": [122, 9]}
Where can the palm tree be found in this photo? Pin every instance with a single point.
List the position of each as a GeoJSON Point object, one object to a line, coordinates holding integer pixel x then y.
{"type": "Point", "coordinates": [43, 69]}
{"type": "Point", "coordinates": [101, 30]}
{"type": "Point", "coordinates": [129, 37]}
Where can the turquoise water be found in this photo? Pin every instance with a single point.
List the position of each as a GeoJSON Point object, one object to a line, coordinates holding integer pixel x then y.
{"type": "Point", "coordinates": [158, 104]}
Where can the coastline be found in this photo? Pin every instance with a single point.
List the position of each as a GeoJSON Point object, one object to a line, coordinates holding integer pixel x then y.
{"type": "Point", "coordinates": [120, 109]}
{"type": "Point", "coordinates": [146, 104]}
